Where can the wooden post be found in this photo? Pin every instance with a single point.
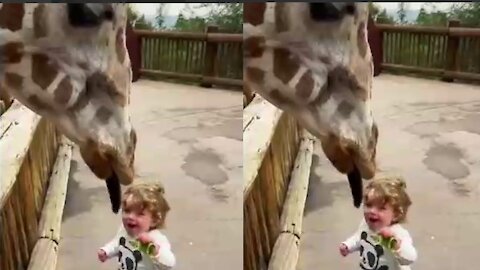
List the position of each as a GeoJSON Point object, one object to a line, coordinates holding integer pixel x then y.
{"type": "Point", "coordinates": [375, 40]}
{"type": "Point", "coordinates": [134, 47]}
{"type": "Point", "coordinates": [210, 69]}
{"type": "Point", "coordinates": [451, 63]}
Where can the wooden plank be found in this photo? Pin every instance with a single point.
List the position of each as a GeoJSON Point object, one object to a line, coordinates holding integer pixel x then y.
{"type": "Point", "coordinates": [292, 213]}
{"type": "Point", "coordinates": [258, 131]}
{"type": "Point", "coordinates": [286, 250]}
{"type": "Point", "coordinates": [18, 125]}
{"type": "Point", "coordinates": [285, 253]}
{"type": "Point", "coordinates": [51, 218]}
{"type": "Point", "coordinates": [44, 255]}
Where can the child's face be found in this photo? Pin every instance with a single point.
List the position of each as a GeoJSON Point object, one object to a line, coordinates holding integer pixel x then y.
{"type": "Point", "coordinates": [377, 215]}
{"type": "Point", "coordinates": [136, 221]}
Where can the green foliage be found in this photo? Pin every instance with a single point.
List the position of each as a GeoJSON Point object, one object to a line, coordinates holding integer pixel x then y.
{"type": "Point", "coordinates": [468, 13]}
{"type": "Point", "coordinates": [227, 16]}
{"type": "Point", "coordinates": [160, 15]}
{"type": "Point", "coordinates": [433, 18]}
{"type": "Point", "coordinates": [193, 24]}
{"type": "Point", "coordinates": [401, 12]}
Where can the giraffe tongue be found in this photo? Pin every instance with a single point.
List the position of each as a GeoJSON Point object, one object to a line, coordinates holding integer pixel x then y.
{"type": "Point", "coordinates": [355, 181]}
{"type": "Point", "coordinates": [114, 191]}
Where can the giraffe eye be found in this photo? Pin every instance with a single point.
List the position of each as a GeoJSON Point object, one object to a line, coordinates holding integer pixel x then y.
{"type": "Point", "coordinates": [324, 12]}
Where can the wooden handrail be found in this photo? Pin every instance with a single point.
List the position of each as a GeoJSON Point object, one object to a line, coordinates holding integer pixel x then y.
{"type": "Point", "coordinates": [210, 37]}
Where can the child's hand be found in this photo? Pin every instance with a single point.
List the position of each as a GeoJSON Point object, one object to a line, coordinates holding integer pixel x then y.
{"type": "Point", "coordinates": [343, 250]}
{"type": "Point", "coordinates": [145, 239]}
{"type": "Point", "coordinates": [102, 256]}
{"type": "Point", "coordinates": [387, 233]}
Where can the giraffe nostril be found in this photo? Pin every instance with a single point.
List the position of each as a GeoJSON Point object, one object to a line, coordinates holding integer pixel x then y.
{"type": "Point", "coordinates": [108, 15]}
{"type": "Point", "coordinates": [350, 9]}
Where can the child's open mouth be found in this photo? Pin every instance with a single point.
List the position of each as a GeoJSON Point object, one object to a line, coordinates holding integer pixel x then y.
{"type": "Point", "coordinates": [373, 220]}
{"type": "Point", "coordinates": [131, 225]}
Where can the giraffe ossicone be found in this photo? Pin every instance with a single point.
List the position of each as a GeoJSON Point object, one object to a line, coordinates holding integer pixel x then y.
{"type": "Point", "coordinates": [313, 60]}
{"type": "Point", "coordinates": [69, 63]}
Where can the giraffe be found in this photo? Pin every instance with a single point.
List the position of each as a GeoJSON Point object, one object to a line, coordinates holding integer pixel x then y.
{"type": "Point", "coordinates": [313, 60]}
{"type": "Point", "coordinates": [69, 64]}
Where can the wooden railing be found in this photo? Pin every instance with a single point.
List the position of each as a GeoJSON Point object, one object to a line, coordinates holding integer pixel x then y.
{"type": "Point", "coordinates": [32, 156]}
{"type": "Point", "coordinates": [271, 138]}
{"type": "Point", "coordinates": [208, 58]}
{"type": "Point", "coordinates": [450, 52]}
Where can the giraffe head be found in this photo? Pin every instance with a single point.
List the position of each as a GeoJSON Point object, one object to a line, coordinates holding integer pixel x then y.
{"type": "Point", "coordinates": [313, 61]}
{"type": "Point", "coordinates": [69, 63]}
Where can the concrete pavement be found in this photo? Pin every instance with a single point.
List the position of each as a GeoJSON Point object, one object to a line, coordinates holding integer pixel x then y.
{"type": "Point", "coordinates": [190, 139]}
{"type": "Point", "coordinates": [430, 134]}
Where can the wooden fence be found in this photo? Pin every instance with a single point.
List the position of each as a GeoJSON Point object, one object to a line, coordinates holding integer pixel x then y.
{"type": "Point", "coordinates": [276, 171]}
{"type": "Point", "coordinates": [209, 58]}
{"type": "Point", "coordinates": [34, 165]}
{"type": "Point", "coordinates": [450, 52]}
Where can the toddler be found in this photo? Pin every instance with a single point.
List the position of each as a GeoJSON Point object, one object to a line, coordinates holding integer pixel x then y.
{"type": "Point", "coordinates": [383, 243]}
{"type": "Point", "coordinates": [139, 244]}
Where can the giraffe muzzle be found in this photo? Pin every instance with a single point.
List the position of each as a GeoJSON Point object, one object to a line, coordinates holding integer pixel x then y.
{"type": "Point", "coordinates": [89, 15]}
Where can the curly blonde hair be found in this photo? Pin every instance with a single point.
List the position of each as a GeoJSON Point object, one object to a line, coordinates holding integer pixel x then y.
{"type": "Point", "coordinates": [389, 190]}
{"type": "Point", "coordinates": [150, 197]}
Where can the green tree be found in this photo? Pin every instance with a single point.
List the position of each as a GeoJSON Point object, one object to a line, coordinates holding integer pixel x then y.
{"type": "Point", "coordinates": [468, 13]}
{"type": "Point", "coordinates": [402, 12]}
{"type": "Point", "coordinates": [160, 15]}
{"type": "Point", "coordinates": [433, 18]}
{"type": "Point", "coordinates": [227, 16]}
{"type": "Point", "coordinates": [193, 24]}
{"type": "Point", "coordinates": [384, 18]}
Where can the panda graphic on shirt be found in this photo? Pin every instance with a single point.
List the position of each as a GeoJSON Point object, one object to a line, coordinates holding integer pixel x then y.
{"type": "Point", "coordinates": [371, 254]}
{"type": "Point", "coordinates": [128, 259]}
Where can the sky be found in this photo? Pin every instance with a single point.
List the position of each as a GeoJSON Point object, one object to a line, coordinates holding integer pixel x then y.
{"type": "Point", "coordinates": [174, 9]}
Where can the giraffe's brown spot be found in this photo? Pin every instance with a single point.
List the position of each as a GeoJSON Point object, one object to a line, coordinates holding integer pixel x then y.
{"type": "Point", "coordinates": [100, 83]}
{"type": "Point", "coordinates": [82, 100]}
{"type": "Point", "coordinates": [11, 16]}
{"type": "Point", "coordinates": [305, 85]}
{"type": "Point", "coordinates": [284, 66]}
{"type": "Point", "coordinates": [342, 76]}
{"type": "Point", "coordinates": [323, 95]}
{"type": "Point", "coordinates": [64, 90]}
{"type": "Point", "coordinates": [278, 97]}
{"type": "Point", "coordinates": [83, 65]}
{"type": "Point", "coordinates": [362, 40]}
{"type": "Point", "coordinates": [11, 53]}
{"type": "Point", "coordinates": [255, 74]}
{"type": "Point", "coordinates": [325, 60]}
{"type": "Point", "coordinates": [13, 80]}
{"type": "Point", "coordinates": [120, 45]}
{"type": "Point", "coordinates": [345, 109]}
{"type": "Point", "coordinates": [39, 24]}
{"type": "Point", "coordinates": [254, 47]}
{"type": "Point", "coordinates": [43, 70]}
{"type": "Point", "coordinates": [36, 103]}
{"type": "Point", "coordinates": [280, 17]}
{"type": "Point", "coordinates": [253, 13]}
{"type": "Point", "coordinates": [103, 115]}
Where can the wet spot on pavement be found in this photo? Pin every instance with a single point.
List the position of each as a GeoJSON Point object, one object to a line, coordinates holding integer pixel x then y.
{"type": "Point", "coordinates": [204, 165]}
{"type": "Point", "coordinates": [446, 161]}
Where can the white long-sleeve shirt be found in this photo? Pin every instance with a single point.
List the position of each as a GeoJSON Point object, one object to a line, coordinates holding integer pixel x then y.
{"type": "Point", "coordinates": [131, 259]}
{"type": "Point", "coordinates": [376, 257]}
